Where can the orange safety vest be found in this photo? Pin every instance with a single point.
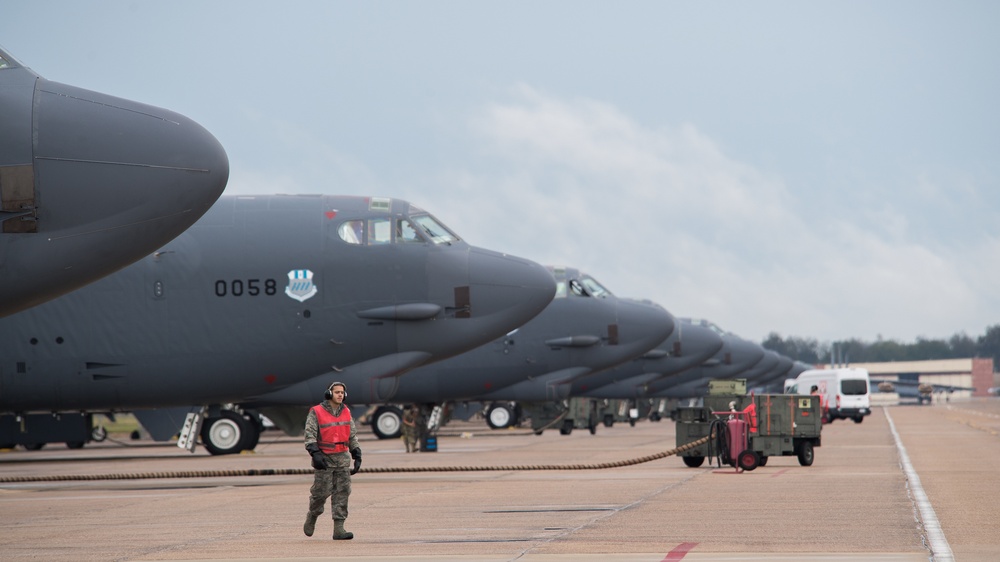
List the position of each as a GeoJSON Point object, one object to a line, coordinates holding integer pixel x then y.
{"type": "Point", "coordinates": [334, 431]}
{"type": "Point", "coordinates": [822, 399]}
{"type": "Point", "coordinates": [751, 410]}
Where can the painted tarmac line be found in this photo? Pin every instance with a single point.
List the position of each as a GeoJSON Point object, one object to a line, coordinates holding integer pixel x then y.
{"type": "Point", "coordinates": [940, 549]}
{"type": "Point", "coordinates": [679, 552]}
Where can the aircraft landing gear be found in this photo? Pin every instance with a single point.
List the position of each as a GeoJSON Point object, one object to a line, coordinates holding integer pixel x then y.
{"type": "Point", "coordinates": [500, 415]}
{"type": "Point", "coordinates": [230, 432]}
{"type": "Point", "coordinates": [387, 422]}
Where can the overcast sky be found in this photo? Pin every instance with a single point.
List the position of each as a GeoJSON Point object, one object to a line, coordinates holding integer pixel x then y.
{"type": "Point", "coordinates": [822, 169]}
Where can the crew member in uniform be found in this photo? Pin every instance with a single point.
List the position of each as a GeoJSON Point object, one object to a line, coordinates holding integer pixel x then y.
{"type": "Point", "coordinates": [332, 440]}
{"type": "Point", "coordinates": [410, 429]}
{"type": "Point", "coordinates": [824, 410]}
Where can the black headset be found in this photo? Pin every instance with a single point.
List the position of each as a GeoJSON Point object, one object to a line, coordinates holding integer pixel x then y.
{"type": "Point", "coordinates": [329, 391]}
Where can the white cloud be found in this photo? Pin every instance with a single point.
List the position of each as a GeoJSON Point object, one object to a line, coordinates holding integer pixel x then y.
{"type": "Point", "coordinates": [664, 213]}
{"type": "Point", "coordinates": [296, 160]}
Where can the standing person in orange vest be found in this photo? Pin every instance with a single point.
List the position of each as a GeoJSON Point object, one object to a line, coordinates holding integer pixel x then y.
{"type": "Point", "coordinates": [751, 411]}
{"type": "Point", "coordinates": [824, 413]}
{"type": "Point", "coordinates": [330, 435]}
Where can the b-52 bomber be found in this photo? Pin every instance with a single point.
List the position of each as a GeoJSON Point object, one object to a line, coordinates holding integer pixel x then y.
{"type": "Point", "coordinates": [90, 183]}
{"type": "Point", "coordinates": [691, 344]}
{"type": "Point", "coordinates": [262, 293]}
{"type": "Point", "coordinates": [583, 330]}
{"type": "Point", "coordinates": [709, 353]}
{"type": "Point", "coordinates": [734, 357]}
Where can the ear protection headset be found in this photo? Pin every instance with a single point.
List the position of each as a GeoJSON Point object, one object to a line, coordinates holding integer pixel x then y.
{"type": "Point", "coordinates": [329, 391]}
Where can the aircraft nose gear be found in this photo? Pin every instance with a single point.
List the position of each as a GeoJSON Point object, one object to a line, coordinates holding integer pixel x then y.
{"type": "Point", "coordinates": [224, 433]}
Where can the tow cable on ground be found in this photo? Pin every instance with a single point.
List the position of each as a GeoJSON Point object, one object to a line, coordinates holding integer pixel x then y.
{"type": "Point", "coordinates": [376, 470]}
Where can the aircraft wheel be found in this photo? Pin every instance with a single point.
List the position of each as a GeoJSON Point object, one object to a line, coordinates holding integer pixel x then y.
{"type": "Point", "coordinates": [224, 435]}
{"type": "Point", "coordinates": [609, 420]}
{"type": "Point", "coordinates": [805, 453]}
{"type": "Point", "coordinates": [859, 419]}
{"type": "Point", "coordinates": [694, 462]}
{"type": "Point", "coordinates": [99, 433]}
{"type": "Point", "coordinates": [34, 446]}
{"type": "Point", "coordinates": [499, 416]}
{"type": "Point", "coordinates": [748, 460]}
{"type": "Point", "coordinates": [763, 460]}
{"type": "Point", "coordinates": [655, 417]}
{"type": "Point", "coordinates": [252, 434]}
{"type": "Point", "coordinates": [387, 423]}
{"type": "Point", "coordinates": [567, 428]}
{"type": "Point", "coordinates": [74, 444]}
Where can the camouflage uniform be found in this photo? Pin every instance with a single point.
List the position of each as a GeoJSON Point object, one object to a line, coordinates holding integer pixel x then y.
{"type": "Point", "coordinates": [410, 430]}
{"type": "Point", "coordinates": [335, 481]}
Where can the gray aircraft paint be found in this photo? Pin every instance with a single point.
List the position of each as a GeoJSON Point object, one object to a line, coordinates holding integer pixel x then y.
{"type": "Point", "coordinates": [576, 334]}
{"type": "Point", "coordinates": [206, 319]}
{"type": "Point", "coordinates": [735, 357]}
{"type": "Point", "coordinates": [90, 183]}
{"type": "Point", "coordinates": [690, 344]}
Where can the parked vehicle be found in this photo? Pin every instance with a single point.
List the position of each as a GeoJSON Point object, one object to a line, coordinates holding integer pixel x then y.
{"type": "Point", "coordinates": [845, 391]}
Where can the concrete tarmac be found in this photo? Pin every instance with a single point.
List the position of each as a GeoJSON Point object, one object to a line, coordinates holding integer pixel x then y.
{"type": "Point", "coordinates": [857, 501]}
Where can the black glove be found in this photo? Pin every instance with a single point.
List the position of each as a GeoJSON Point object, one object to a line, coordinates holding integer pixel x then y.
{"type": "Point", "coordinates": [356, 455]}
{"type": "Point", "coordinates": [318, 458]}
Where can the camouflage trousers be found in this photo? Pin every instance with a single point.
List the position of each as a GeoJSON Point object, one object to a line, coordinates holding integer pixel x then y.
{"type": "Point", "coordinates": [410, 438]}
{"type": "Point", "coordinates": [333, 483]}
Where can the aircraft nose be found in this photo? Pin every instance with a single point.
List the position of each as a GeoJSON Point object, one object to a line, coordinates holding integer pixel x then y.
{"type": "Point", "coordinates": [642, 325]}
{"type": "Point", "coordinates": [697, 341]}
{"type": "Point", "coordinates": [779, 373]}
{"type": "Point", "coordinates": [743, 355]}
{"type": "Point", "coordinates": [104, 162]}
{"type": "Point", "coordinates": [762, 368]}
{"type": "Point", "coordinates": [507, 291]}
{"type": "Point", "coordinates": [688, 346]}
{"type": "Point", "coordinates": [488, 295]}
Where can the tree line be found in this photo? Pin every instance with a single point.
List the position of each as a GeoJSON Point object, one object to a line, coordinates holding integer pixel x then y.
{"type": "Point", "coordinates": [810, 350]}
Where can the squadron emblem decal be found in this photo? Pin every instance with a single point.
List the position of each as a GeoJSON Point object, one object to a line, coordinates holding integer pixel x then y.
{"type": "Point", "coordinates": [300, 285]}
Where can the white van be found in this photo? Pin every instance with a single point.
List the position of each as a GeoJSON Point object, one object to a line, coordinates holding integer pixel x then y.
{"type": "Point", "coordinates": [846, 391]}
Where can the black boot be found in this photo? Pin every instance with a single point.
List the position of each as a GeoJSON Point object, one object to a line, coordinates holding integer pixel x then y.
{"type": "Point", "coordinates": [310, 525]}
{"type": "Point", "coordinates": [339, 534]}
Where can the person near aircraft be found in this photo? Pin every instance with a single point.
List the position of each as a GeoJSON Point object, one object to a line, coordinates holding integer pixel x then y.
{"type": "Point", "coordinates": [822, 402]}
{"type": "Point", "coordinates": [332, 440]}
{"type": "Point", "coordinates": [751, 412]}
{"type": "Point", "coordinates": [410, 429]}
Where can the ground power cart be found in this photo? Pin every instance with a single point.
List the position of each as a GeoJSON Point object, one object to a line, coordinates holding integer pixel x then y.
{"type": "Point", "coordinates": [775, 425]}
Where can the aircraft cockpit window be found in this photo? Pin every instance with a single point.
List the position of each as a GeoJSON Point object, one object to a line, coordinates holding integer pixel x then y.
{"type": "Point", "coordinates": [379, 231]}
{"type": "Point", "coordinates": [577, 289]}
{"type": "Point", "coordinates": [375, 232]}
{"type": "Point", "coordinates": [434, 230]}
{"type": "Point", "coordinates": [3, 62]}
{"type": "Point", "coordinates": [715, 328]}
{"type": "Point", "coordinates": [352, 232]}
{"type": "Point", "coordinates": [406, 233]}
{"type": "Point", "coordinates": [594, 288]}
{"type": "Point", "coordinates": [705, 324]}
